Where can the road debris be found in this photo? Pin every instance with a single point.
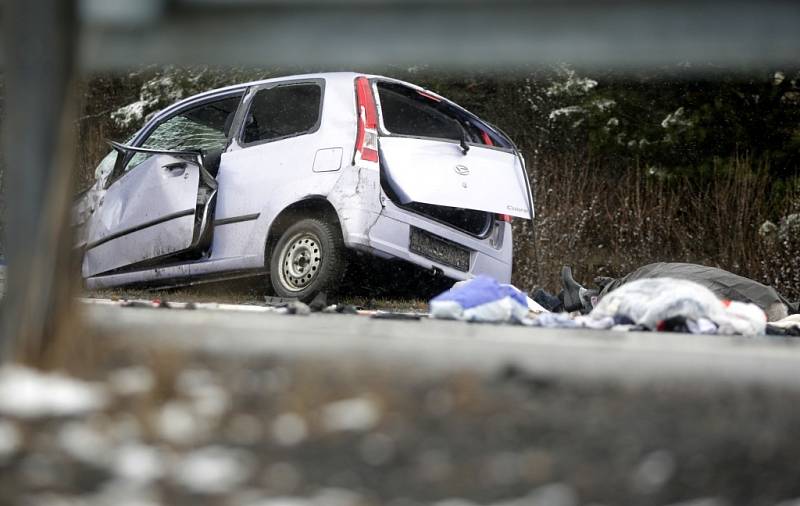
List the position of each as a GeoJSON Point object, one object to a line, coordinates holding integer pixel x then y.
{"type": "Point", "coordinates": [298, 308]}
{"type": "Point", "coordinates": [213, 470]}
{"type": "Point", "coordinates": [280, 306]}
{"type": "Point", "coordinates": [391, 315]}
{"type": "Point", "coordinates": [651, 304]}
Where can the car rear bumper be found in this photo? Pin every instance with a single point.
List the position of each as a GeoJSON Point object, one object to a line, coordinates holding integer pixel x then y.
{"type": "Point", "coordinates": [491, 256]}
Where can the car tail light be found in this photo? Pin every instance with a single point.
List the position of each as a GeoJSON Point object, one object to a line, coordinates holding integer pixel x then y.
{"type": "Point", "coordinates": [367, 135]}
{"type": "Point", "coordinates": [504, 217]}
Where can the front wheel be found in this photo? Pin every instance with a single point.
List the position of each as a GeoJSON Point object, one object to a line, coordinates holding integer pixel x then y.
{"type": "Point", "coordinates": [308, 259]}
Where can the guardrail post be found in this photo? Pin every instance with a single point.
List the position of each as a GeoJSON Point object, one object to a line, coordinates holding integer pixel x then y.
{"type": "Point", "coordinates": [40, 42]}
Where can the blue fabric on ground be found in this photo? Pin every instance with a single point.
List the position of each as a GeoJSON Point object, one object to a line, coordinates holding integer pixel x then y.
{"type": "Point", "coordinates": [481, 290]}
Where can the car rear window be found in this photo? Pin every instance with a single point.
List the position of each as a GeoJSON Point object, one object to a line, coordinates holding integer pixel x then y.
{"type": "Point", "coordinates": [283, 111]}
{"type": "Point", "coordinates": [407, 112]}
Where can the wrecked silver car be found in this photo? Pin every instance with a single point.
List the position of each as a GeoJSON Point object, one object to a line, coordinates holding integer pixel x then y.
{"type": "Point", "coordinates": [281, 176]}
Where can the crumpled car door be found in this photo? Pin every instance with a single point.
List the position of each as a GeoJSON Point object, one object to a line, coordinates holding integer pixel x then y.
{"type": "Point", "coordinates": [437, 172]}
{"type": "Point", "coordinates": [150, 212]}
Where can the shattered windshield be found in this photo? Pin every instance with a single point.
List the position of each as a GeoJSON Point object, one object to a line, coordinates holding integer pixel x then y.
{"type": "Point", "coordinates": [205, 127]}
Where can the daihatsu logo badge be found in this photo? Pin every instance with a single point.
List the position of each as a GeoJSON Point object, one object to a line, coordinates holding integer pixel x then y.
{"type": "Point", "coordinates": [462, 170]}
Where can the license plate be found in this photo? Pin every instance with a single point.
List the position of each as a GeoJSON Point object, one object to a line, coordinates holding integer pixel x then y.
{"type": "Point", "coordinates": [439, 250]}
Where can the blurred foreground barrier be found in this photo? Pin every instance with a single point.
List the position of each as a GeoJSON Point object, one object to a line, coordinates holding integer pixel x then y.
{"type": "Point", "coordinates": [40, 41]}
{"type": "Point", "coordinates": [449, 34]}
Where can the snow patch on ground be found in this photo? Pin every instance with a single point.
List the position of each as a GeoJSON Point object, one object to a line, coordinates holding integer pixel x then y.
{"type": "Point", "coordinates": [325, 497]}
{"type": "Point", "coordinates": [178, 424]}
{"type": "Point", "coordinates": [289, 429]}
{"type": "Point", "coordinates": [138, 464]}
{"type": "Point", "coordinates": [356, 414]}
{"type": "Point", "coordinates": [9, 439]}
{"type": "Point", "coordinates": [209, 399]}
{"type": "Point", "coordinates": [213, 470]}
{"type": "Point", "coordinates": [132, 381]}
{"type": "Point", "coordinates": [84, 443]}
{"type": "Point", "coordinates": [26, 393]}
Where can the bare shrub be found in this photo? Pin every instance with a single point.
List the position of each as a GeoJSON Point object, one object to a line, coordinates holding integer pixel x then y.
{"type": "Point", "coordinates": [611, 221]}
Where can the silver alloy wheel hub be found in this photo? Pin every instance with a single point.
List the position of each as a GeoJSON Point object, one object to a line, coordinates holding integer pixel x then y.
{"type": "Point", "coordinates": [300, 261]}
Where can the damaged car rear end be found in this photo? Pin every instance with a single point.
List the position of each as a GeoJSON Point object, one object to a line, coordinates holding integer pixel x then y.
{"type": "Point", "coordinates": [283, 176]}
{"type": "Point", "coordinates": [450, 183]}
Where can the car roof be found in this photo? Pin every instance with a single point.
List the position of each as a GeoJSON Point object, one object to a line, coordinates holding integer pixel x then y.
{"type": "Point", "coordinates": [199, 97]}
{"type": "Point", "coordinates": [328, 76]}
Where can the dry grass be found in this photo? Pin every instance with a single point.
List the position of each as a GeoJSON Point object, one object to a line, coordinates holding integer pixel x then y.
{"type": "Point", "coordinates": [251, 291]}
{"type": "Point", "coordinates": [608, 224]}
{"type": "Point", "coordinates": [230, 292]}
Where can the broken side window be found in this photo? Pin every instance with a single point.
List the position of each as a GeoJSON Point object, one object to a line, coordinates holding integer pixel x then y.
{"type": "Point", "coordinates": [205, 127]}
{"type": "Point", "coordinates": [283, 111]}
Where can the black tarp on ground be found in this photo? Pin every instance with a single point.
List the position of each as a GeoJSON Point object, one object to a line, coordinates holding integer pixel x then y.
{"type": "Point", "coordinates": [724, 284]}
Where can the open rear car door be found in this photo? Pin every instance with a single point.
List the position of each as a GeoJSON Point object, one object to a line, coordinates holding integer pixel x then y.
{"type": "Point", "coordinates": [437, 172]}
{"type": "Point", "coordinates": [434, 152]}
{"type": "Point", "coordinates": [155, 211]}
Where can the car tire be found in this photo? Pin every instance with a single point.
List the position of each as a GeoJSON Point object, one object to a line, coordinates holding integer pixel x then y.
{"type": "Point", "coordinates": [308, 258]}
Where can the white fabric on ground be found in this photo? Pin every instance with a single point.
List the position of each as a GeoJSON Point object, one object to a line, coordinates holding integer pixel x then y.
{"type": "Point", "coordinates": [649, 301]}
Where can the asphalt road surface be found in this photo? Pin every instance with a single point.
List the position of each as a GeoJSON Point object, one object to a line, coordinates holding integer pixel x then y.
{"type": "Point", "coordinates": [260, 409]}
{"type": "Point", "coordinates": [434, 345]}
{"type": "Point", "coordinates": [507, 415]}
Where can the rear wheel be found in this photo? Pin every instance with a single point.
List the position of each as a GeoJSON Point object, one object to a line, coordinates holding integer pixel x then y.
{"type": "Point", "coordinates": [307, 259]}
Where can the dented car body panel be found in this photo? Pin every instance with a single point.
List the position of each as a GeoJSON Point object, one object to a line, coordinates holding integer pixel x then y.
{"type": "Point", "coordinates": [167, 219]}
{"type": "Point", "coordinates": [411, 166]}
{"type": "Point", "coordinates": [128, 230]}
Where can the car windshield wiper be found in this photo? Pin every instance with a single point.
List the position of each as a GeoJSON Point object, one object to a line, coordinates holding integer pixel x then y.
{"type": "Point", "coordinates": [462, 137]}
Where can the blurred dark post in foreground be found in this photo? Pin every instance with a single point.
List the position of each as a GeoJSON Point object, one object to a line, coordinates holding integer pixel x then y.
{"type": "Point", "coordinates": [40, 43]}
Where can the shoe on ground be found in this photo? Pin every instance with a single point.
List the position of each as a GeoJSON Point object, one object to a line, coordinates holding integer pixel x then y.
{"type": "Point", "coordinates": [572, 291]}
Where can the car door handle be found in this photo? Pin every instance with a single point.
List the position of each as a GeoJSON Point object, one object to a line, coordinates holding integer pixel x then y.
{"type": "Point", "coordinates": [175, 169]}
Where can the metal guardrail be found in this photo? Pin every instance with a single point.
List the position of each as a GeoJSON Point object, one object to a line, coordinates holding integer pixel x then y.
{"type": "Point", "coordinates": [449, 34]}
